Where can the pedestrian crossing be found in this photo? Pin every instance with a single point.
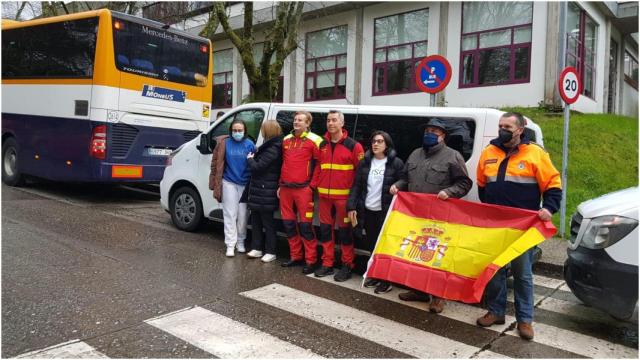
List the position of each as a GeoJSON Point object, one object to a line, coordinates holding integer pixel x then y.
{"type": "Point", "coordinates": [222, 336]}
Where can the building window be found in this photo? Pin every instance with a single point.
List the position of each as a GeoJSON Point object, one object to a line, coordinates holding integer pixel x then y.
{"type": "Point", "coordinates": [258, 50]}
{"type": "Point", "coordinates": [223, 78]}
{"type": "Point", "coordinates": [581, 46]}
{"type": "Point", "coordinates": [400, 44]}
{"type": "Point", "coordinates": [630, 70]}
{"type": "Point", "coordinates": [326, 64]}
{"type": "Point", "coordinates": [495, 46]}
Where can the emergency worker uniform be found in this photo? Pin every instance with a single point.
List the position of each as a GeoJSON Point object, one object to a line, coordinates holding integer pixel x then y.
{"type": "Point", "coordinates": [299, 157]}
{"type": "Point", "coordinates": [517, 177]}
{"type": "Point", "coordinates": [338, 162]}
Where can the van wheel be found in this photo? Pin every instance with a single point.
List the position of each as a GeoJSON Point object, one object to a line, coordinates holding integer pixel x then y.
{"type": "Point", "coordinates": [186, 209]}
{"type": "Point", "coordinates": [10, 174]}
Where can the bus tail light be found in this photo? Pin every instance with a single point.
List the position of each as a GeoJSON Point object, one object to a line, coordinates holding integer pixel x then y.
{"type": "Point", "coordinates": [99, 142]}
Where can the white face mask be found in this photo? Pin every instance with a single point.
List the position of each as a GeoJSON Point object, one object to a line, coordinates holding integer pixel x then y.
{"type": "Point", "coordinates": [238, 136]}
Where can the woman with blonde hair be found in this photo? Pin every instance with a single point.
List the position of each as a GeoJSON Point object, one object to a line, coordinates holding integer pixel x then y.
{"type": "Point", "coordinates": [262, 197]}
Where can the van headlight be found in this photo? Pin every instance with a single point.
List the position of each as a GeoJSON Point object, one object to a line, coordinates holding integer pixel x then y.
{"type": "Point", "coordinates": [605, 231]}
{"type": "Point", "coordinates": [173, 153]}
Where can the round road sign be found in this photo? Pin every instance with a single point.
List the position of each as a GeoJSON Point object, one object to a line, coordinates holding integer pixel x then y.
{"type": "Point", "coordinates": [569, 85]}
{"type": "Point", "coordinates": [433, 74]}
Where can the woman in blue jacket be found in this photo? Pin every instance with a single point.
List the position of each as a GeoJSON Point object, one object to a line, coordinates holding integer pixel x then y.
{"type": "Point", "coordinates": [369, 197]}
{"type": "Point", "coordinates": [234, 179]}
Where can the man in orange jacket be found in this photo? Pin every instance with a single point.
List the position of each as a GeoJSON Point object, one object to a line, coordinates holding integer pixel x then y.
{"type": "Point", "coordinates": [300, 152]}
{"type": "Point", "coordinates": [339, 157]}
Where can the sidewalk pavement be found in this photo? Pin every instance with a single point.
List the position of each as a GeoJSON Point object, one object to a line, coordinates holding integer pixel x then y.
{"type": "Point", "coordinates": [554, 253]}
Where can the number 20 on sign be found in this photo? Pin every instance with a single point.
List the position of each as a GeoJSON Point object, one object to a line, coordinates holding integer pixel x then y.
{"type": "Point", "coordinates": [569, 85]}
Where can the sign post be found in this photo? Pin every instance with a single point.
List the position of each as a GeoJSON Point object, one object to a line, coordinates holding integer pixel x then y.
{"type": "Point", "coordinates": [432, 75]}
{"type": "Point", "coordinates": [570, 88]}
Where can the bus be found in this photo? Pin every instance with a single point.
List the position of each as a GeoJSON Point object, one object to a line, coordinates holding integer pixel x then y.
{"type": "Point", "coordinates": [99, 96]}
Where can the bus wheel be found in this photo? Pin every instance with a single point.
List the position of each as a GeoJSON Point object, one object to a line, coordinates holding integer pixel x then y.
{"type": "Point", "coordinates": [10, 174]}
{"type": "Point", "coordinates": [186, 209]}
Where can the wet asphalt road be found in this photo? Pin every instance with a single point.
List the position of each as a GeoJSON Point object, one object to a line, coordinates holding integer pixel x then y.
{"type": "Point", "coordinates": [93, 263]}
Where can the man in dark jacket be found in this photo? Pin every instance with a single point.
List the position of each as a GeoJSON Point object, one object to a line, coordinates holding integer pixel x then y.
{"type": "Point", "coordinates": [434, 169]}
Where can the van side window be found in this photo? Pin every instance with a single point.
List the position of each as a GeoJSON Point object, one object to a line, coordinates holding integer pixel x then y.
{"type": "Point", "coordinates": [319, 123]}
{"type": "Point", "coordinates": [530, 134]}
{"type": "Point", "coordinates": [253, 119]}
{"type": "Point", "coordinates": [407, 132]}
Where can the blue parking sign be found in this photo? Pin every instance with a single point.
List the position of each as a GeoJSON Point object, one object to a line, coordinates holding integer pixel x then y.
{"type": "Point", "coordinates": [433, 74]}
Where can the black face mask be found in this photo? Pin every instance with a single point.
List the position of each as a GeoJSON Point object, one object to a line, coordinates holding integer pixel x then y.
{"type": "Point", "coordinates": [505, 135]}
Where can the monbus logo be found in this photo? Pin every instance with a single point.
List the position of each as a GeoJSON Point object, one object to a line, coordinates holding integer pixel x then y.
{"type": "Point", "coordinates": [163, 94]}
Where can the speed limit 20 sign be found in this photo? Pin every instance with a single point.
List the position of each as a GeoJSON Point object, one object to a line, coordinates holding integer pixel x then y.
{"type": "Point", "coordinates": [569, 85]}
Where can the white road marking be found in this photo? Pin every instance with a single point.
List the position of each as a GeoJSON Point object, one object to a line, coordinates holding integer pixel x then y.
{"type": "Point", "coordinates": [224, 337]}
{"type": "Point", "coordinates": [576, 310]}
{"type": "Point", "coordinates": [488, 354]}
{"type": "Point", "coordinates": [544, 334]}
{"type": "Point", "coordinates": [547, 281]}
{"type": "Point", "coordinates": [391, 334]}
{"type": "Point", "coordinates": [580, 344]}
{"type": "Point", "coordinates": [74, 349]}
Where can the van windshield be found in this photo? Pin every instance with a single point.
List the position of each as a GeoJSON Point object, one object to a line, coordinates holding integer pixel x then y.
{"type": "Point", "coordinates": [153, 52]}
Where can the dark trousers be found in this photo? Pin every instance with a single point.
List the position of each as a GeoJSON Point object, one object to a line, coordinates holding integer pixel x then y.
{"type": "Point", "coordinates": [263, 221]}
{"type": "Point", "coordinates": [373, 221]}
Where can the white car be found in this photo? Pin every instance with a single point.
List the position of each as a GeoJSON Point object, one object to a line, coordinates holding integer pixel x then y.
{"type": "Point", "coordinates": [602, 264]}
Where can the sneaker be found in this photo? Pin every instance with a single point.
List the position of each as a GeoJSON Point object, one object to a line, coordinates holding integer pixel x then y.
{"type": "Point", "coordinates": [323, 271]}
{"type": "Point", "coordinates": [254, 253]}
{"type": "Point", "coordinates": [371, 283]}
{"type": "Point", "coordinates": [383, 287]}
{"type": "Point", "coordinates": [230, 251]}
{"type": "Point", "coordinates": [413, 295]}
{"type": "Point", "coordinates": [343, 274]}
{"type": "Point", "coordinates": [437, 305]}
{"type": "Point", "coordinates": [489, 319]}
{"type": "Point", "coordinates": [525, 330]}
{"type": "Point", "coordinates": [268, 258]}
{"type": "Point", "coordinates": [241, 248]}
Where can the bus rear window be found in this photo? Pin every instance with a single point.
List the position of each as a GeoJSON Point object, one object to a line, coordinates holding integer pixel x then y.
{"type": "Point", "coordinates": [148, 51]}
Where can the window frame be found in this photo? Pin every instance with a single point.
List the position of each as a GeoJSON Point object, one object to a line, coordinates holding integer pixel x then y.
{"type": "Point", "coordinates": [413, 88]}
{"type": "Point", "coordinates": [227, 85]}
{"type": "Point", "coordinates": [314, 74]}
{"type": "Point", "coordinates": [628, 78]}
{"type": "Point", "coordinates": [580, 56]}
{"type": "Point", "coordinates": [475, 53]}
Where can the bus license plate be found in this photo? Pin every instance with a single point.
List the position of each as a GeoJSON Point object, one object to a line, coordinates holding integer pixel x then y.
{"type": "Point", "coordinates": [159, 152]}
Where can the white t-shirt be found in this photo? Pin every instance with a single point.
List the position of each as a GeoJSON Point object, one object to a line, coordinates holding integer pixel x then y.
{"type": "Point", "coordinates": [373, 201]}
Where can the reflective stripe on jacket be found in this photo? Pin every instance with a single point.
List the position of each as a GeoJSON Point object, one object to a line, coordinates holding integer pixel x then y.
{"type": "Point", "coordinates": [299, 157]}
{"type": "Point", "coordinates": [338, 165]}
{"type": "Point", "coordinates": [519, 177]}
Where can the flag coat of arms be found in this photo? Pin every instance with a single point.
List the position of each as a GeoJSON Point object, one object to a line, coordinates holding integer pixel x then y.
{"type": "Point", "coordinates": [451, 249]}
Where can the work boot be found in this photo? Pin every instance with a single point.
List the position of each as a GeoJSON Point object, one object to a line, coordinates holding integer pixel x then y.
{"type": "Point", "coordinates": [323, 271]}
{"type": "Point", "coordinates": [291, 263]}
{"type": "Point", "coordinates": [308, 269]}
{"type": "Point", "coordinates": [436, 305]}
{"type": "Point", "coordinates": [489, 319]}
{"type": "Point", "coordinates": [413, 295]}
{"type": "Point", "coordinates": [343, 274]}
{"type": "Point", "coordinates": [525, 330]}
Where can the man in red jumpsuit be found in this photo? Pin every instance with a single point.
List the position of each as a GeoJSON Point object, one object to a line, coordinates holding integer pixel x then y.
{"type": "Point", "coordinates": [339, 157]}
{"type": "Point", "coordinates": [300, 152]}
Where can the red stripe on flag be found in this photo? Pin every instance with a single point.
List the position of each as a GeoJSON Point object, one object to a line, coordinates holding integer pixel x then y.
{"type": "Point", "coordinates": [471, 213]}
{"type": "Point", "coordinates": [431, 281]}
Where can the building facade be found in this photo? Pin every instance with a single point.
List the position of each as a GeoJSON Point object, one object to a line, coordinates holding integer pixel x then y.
{"type": "Point", "coordinates": [501, 53]}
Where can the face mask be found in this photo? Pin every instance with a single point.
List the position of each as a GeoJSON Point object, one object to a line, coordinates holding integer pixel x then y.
{"type": "Point", "coordinates": [505, 135]}
{"type": "Point", "coordinates": [238, 136]}
{"type": "Point", "coordinates": [429, 140]}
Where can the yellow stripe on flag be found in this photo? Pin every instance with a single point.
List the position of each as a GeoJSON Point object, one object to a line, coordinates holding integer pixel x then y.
{"type": "Point", "coordinates": [456, 248]}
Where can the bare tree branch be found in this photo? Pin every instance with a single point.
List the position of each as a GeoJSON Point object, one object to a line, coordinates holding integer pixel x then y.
{"type": "Point", "coordinates": [19, 12]}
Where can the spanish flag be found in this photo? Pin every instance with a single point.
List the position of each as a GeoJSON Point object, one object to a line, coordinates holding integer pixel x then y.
{"type": "Point", "coordinates": [451, 249]}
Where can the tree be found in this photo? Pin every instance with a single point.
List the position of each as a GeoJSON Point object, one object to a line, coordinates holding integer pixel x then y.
{"type": "Point", "coordinates": [280, 40]}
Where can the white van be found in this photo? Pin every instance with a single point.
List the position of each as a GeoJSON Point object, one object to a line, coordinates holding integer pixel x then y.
{"type": "Point", "coordinates": [184, 189]}
{"type": "Point", "coordinates": [602, 264]}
